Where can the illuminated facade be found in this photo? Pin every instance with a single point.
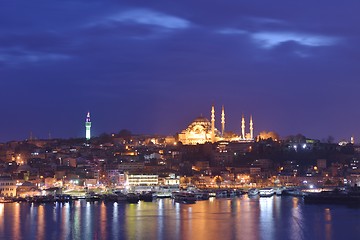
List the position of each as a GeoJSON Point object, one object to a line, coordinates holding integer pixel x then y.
{"type": "Point", "coordinates": [141, 179]}
{"type": "Point", "coordinates": [7, 187]}
{"type": "Point", "coordinates": [201, 130]}
{"type": "Point", "coordinates": [198, 132]}
{"type": "Point", "coordinates": [88, 126]}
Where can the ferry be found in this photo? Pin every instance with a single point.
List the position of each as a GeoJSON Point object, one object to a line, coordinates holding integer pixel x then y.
{"type": "Point", "coordinates": [266, 192]}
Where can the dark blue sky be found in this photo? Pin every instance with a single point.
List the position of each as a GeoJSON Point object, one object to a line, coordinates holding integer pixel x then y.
{"type": "Point", "coordinates": [153, 66]}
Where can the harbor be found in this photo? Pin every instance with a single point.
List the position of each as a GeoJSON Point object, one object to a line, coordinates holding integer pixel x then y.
{"type": "Point", "coordinates": [239, 217]}
{"type": "Point", "coordinates": [350, 195]}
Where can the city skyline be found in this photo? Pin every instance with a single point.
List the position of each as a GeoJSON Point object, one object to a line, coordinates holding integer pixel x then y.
{"type": "Point", "coordinates": [154, 67]}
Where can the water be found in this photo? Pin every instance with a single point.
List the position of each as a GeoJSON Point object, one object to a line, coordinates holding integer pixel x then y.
{"type": "Point", "coordinates": [237, 218]}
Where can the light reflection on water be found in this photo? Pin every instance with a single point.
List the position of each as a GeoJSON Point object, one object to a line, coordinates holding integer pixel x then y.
{"type": "Point", "coordinates": [237, 218]}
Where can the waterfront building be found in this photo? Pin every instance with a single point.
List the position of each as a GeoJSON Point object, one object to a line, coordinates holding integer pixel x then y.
{"type": "Point", "coordinates": [172, 180]}
{"type": "Point", "coordinates": [201, 131]}
{"type": "Point", "coordinates": [88, 126]}
{"type": "Point", "coordinates": [132, 180]}
{"type": "Point", "coordinates": [7, 187]}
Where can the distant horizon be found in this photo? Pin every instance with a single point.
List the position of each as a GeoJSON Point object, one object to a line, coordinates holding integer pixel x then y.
{"type": "Point", "coordinates": [281, 137]}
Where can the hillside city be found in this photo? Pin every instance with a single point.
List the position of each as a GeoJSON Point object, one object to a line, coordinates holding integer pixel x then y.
{"type": "Point", "coordinates": [127, 161]}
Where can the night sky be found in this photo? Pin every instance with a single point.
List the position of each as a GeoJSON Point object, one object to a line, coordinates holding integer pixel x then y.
{"type": "Point", "coordinates": [154, 66]}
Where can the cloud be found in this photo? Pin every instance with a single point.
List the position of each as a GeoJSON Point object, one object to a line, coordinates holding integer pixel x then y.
{"type": "Point", "coordinates": [272, 39]}
{"type": "Point", "coordinates": [149, 17]}
{"type": "Point", "coordinates": [16, 56]}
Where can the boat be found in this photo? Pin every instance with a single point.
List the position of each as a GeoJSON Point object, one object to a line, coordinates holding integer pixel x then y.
{"type": "Point", "coordinates": [41, 199]}
{"type": "Point", "coordinates": [335, 196]}
{"type": "Point", "coordinates": [231, 193]}
{"type": "Point", "coordinates": [226, 194]}
{"type": "Point", "coordinates": [6, 200]}
{"type": "Point", "coordinates": [63, 198]}
{"type": "Point", "coordinates": [295, 192]}
{"type": "Point", "coordinates": [266, 192]}
{"type": "Point", "coordinates": [201, 195]}
{"type": "Point", "coordinates": [147, 196]}
{"type": "Point", "coordinates": [221, 194]}
{"type": "Point", "coordinates": [253, 192]}
{"type": "Point", "coordinates": [92, 197]}
{"type": "Point", "coordinates": [184, 197]}
{"type": "Point", "coordinates": [240, 192]}
{"type": "Point", "coordinates": [110, 197]}
{"type": "Point", "coordinates": [279, 191]}
{"type": "Point", "coordinates": [164, 192]}
{"type": "Point", "coordinates": [132, 198]}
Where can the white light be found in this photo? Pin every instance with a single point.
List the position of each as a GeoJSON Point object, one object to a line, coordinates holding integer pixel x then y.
{"type": "Point", "coordinates": [311, 186]}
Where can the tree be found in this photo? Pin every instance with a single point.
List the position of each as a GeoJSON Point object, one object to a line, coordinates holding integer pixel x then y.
{"type": "Point", "coordinates": [330, 139]}
{"type": "Point", "coordinates": [267, 135]}
{"type": "Point", "coordinates": [104, 137]}
{"type": "Point", "coordinates": [126, 134]}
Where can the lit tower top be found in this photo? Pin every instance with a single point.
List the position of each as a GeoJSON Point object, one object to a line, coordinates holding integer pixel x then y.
{"type": "Point", "coordinates": [243, 127]}
{"type": "Point", "coordinates": [222, 121]}
{"type": "Point", "coordinates": [212, 124]}
{"type": "Point", "coordinates": [88, 126]}
{"type": "Point", "coordinates": [251, 128]}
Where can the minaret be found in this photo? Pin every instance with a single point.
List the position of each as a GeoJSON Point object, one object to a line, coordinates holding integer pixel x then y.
{"type": "Point", "coordinates": [88, 126]}
{"type": "Point", "coordinates": [243, 127]}
{"type": "Point", "coordinates": [352, 141]}
{"type": "Point", "coordinates": [212, 124]}
{"type": "Point", "coordinates": [222, 121]}
{"type": "Point", "coordinates": [251, 128]}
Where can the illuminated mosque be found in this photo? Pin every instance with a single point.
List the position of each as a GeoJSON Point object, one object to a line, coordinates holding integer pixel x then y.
{"type": "Point", "coordinates": [201, 130]}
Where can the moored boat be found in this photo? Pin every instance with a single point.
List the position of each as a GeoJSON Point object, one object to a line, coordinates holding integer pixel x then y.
{"type": "Point", "coordinates": [147, 196]}
{"type": "Point", "coordinates": [91, 197]}
{"type": "Point", "coordinates": [295, 192]}
{"type": "Point", "coordinates": [253, 192]}
{"type": "Point", "coordinates": [221, 194]}
{"type": "Point", "coordinates": [266, 192]}
{"type": "Point", "coordinates": [184, 197]}
{"type": "Point", "coordinates": [201, 195]}
{"type": "Point", "coordinates": [63, 198]}
{"type": "Point", "coordinates": [240, 192]}
{"type": "Point", "coordinates": [41, 199]}
{"type": "Point", "coordinates": [6, 200]}
{"type": "Point", "coordinates": [332, 197]}
{"type": "Point", "coordinates": [279, 191]}
{"type": "Point", "coordinates": [132, 198]}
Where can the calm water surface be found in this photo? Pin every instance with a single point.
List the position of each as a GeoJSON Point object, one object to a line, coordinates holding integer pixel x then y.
{"type": "Point", "coordinates": [237, 218]}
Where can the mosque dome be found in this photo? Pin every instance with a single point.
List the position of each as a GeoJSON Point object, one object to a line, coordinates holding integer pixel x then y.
{"type": "Point", "coordinates": [201, 119]}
